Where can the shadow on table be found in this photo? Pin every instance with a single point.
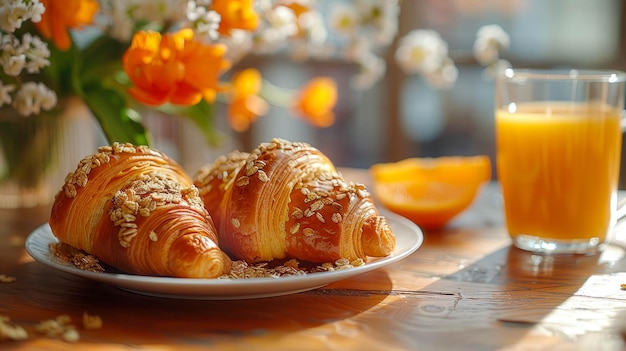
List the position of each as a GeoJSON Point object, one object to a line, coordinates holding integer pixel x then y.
{"type": "Point", "coordinates": [498, 299]}
{"type": "Point", "coordinates": [146, 319]}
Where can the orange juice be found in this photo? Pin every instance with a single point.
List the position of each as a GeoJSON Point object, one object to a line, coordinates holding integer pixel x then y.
{"type": "Point", "coordinates": [558, 165]}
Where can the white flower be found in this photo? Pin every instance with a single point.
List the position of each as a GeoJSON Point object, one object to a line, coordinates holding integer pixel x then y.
{"type": "Point", "coordinates": [279, 25]}
{"type": "Point", "coordinates": [344, 19]}
{"type": "Point", "coordinates": [425, 52]}
{"type": "Point", "coordinates": [385, 32]}
{"type": "Point", "coordinates": [444, 77]}
{"type": "Point", "coordinates": [13, 13]}
{"type": "Point", "coordinates": [382, 17]}
{"type": "Point", "coordinates": [31, 53]}
{"type": "Point", "coordinates": [194, 12]}
{"type": "Point", "coordinates": [5, 93]}
{"type": "Point", "coordinates": [205, 23]}
{"type": "Point", "coordinates": [17, 54]}
{"type": "Point", "coordinates": [120, 25]}
{"type": "Point", "coordinates": [283, 20]}
{"type": "Point", "coordinates": [36, 9]}
{"type": "Point", "coordinates": [123, 15]}
{"type": "Point", "coordinates": [32, 97]}
{"type": "Point", "coordinates": [267, 41]}
{"type": "Point", "coordinates": [490, 40]}
{"type": "Point", "coordinates": [421, 51]}
{"type": "Point", "coordinates": [206, 31]}
{"type": "Point", "coordinates": [14, 64]}
{"type": "Point", "coordinates": [239, 44]}
{"type": "Point", "coordinates": [36, 51]}
{"type": "Point", "coordinates": [372, 69]}
{"type": "Point", "coordinates": [313, 29]}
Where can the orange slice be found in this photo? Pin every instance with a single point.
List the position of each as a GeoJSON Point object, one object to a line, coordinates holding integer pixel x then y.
{"type": "Point", "coordinates": [430, 191]}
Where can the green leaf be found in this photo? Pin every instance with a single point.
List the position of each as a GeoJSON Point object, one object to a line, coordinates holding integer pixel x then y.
{"type": "Point", "coordinates": [119, 122]}
{"type": "Point", "coordinates": [101, 59]}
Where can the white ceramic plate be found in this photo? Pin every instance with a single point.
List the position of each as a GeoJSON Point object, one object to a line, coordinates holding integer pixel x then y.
{"type": "Point", "coordinates": [408, 239]}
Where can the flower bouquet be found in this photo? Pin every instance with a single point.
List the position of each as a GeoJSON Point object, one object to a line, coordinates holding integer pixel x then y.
{"type": "Point", "coordinates": [178, 57]}
{"type": "Point", "coordinates": [124, 59]}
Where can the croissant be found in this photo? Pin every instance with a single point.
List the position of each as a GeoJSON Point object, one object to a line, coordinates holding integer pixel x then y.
{"type": "Point", "coordinates": [287, 200]}
{"type": "Point", "coordinates": [137, 210]}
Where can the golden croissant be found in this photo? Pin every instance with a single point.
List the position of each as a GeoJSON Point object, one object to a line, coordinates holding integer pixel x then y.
{"type": "Point", "coordinates": [286, 200]}
{"type": "Point", "coordinates": [135, 209]}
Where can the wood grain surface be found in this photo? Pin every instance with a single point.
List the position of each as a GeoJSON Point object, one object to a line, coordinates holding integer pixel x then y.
{"type": "Point", "coordinates": [466, 288]}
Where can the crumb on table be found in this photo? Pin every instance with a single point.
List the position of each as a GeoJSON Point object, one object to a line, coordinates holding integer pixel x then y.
{"type": "Point", "coordinates": [6, 279]}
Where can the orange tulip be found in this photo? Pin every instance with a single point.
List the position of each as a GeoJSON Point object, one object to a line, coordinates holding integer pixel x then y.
{"type": "Point", "coordinates": [235, 14]}
{"type": "Point", "coordinates": [173, 68]}
{"type": "Point", "coordinates": [246, 106]}
{"type": "Point", "coordinates": [316, 101]}
{"type": "Point", "coordinates": [62, 15]}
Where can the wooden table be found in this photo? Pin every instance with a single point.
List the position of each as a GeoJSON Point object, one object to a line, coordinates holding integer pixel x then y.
{"type": "Point", "coordinates": [465, 288]}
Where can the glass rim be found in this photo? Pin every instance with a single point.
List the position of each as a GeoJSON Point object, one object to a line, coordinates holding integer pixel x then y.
{"type": "Point", "coordinates": [588, 75]}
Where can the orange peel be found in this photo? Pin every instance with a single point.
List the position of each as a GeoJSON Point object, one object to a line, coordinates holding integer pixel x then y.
{"type": "Point", "coordinates": [430, 191]}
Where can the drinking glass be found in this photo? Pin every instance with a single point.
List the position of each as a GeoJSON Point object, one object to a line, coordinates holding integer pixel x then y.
{"type": "Point", "coordinates": [558, 144]}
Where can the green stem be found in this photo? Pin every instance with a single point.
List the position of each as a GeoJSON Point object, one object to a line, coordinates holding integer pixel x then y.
{"type": "Point", "coordinates": [276, 95]}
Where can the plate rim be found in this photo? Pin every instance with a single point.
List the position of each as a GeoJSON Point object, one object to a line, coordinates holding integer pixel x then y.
{"type": "Point", "coordinates": [155, 285]}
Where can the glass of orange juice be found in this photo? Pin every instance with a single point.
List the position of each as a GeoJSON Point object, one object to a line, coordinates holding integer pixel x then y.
{"type": "Point", "coordinates": [558, 144]}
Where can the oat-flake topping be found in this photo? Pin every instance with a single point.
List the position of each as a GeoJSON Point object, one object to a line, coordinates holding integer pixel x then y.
{"type": "Point", "coordinates": [254, 166]}
{"type": "Point", "coordinates": [61, 327]}
{"type": "Point", "coordinates": [7, 279]}
{"type": "Point", "coordinates": [11, 331]}
{"type": "Point", "coordinates": [145, 195]}
{"type": "Point", "coordinates": [224, 169]}
{"type": "Point", "coordinates": [317, 199]}
{"type": "Point", "coordinates": [242, 270]}
{"type": "Point", "coordinates": [78, 258]}
{"type": "Point", "coordinates": [79, 177]}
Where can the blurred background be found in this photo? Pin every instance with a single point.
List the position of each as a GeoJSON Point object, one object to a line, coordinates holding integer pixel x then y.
{"type": "Point", "coordinates": [402, 116]}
